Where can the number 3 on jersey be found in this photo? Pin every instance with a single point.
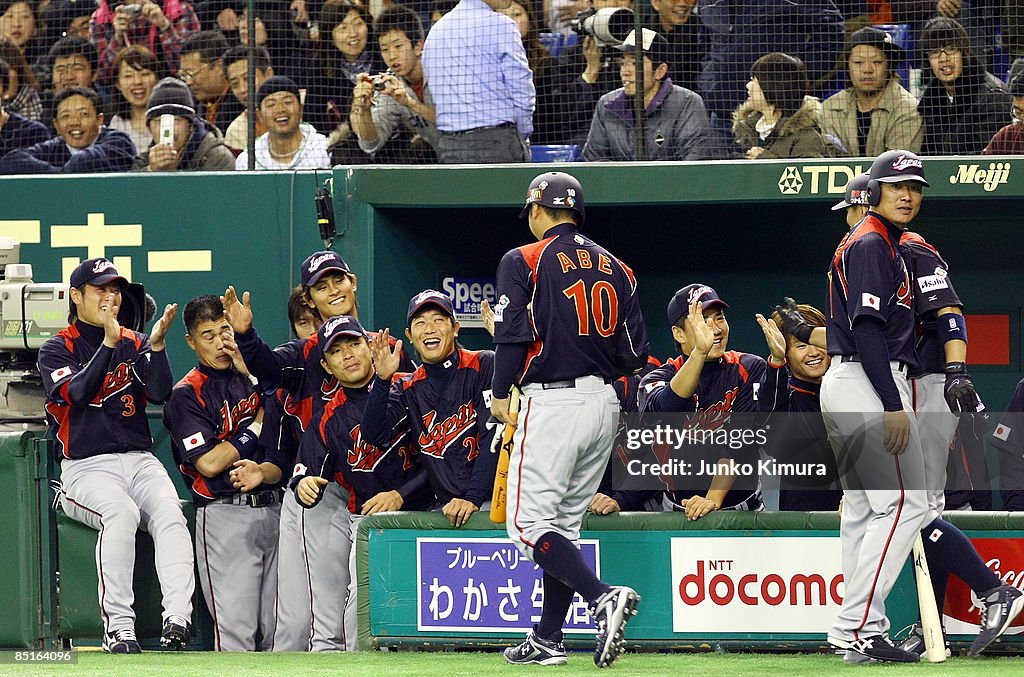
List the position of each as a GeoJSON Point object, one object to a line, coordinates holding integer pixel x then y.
{"type": "Point", "coordinates": [601, 303]}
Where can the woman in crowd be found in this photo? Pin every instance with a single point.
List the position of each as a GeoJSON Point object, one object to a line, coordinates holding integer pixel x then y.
{"type": "Point", "coordinates": [546, 118]}
{"type": "Point", "coordinates": [963, 105]}
{"type": "Point", "coordinates": [875, 113]}
{"type": "Point", "coordinates": [22, 92]}
{"type": "Point", "coordinates": [778, 119]}
{"type": "Point", "coordinates": [19, 23]}
{"type": "Point", "coordinates": [137, 73]}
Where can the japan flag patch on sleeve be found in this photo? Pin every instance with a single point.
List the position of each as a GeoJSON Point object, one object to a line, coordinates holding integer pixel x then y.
{"type": "Point", "coordinates": [870, 301]}
{"type": "Point", "coordinates": [194, 441]}
{"type": "Point", "coordinates": [1002, 432]}
{"type": "Point", "coordinates": [58, 374]}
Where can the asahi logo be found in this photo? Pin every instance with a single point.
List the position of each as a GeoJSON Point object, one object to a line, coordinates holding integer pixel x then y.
{"type": "Point", "coordinates": [996, 174]}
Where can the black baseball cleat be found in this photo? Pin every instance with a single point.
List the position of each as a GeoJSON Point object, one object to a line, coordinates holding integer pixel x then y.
{"type": "Point", "coordinates": [611, 612]}
{"type": "Point", "coordinates": [538, 651]}
{"type": "Point", "coordinates": [1002, 604]}
{"type": "Point", "coordinates": [915, 641]}
{"type": "Point", "coordinates": [176, 633]}
{"type": "Point", "coordinates": [121, 641]}
{"type": "Point", "coordinates": [879, 648]}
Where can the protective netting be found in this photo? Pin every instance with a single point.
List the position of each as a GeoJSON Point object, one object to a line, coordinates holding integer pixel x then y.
{"type": "Point", "coordinates": [394, 83]}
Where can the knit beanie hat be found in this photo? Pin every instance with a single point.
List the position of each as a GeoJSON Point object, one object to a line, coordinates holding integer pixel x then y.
{"type": "Point", "coordinates": [170, 95]}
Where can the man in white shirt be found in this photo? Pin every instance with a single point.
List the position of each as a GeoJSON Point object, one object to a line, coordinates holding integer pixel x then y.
{"type": "Point", "coordinates": [289, 143]}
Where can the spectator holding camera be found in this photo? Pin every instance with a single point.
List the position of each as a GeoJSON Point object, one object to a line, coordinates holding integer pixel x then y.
{"type": "Point", "coordinates": [161, 27]}
{"type": "Point", "coordinates": [194, 145]}
{"type": "Point", "coordinates": [385, 105]}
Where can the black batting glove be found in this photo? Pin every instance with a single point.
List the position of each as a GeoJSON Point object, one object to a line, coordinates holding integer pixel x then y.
{"type": "Point", "coordinates": [959, 390]}
{"type": "Point", "coordinates": [793, 322]}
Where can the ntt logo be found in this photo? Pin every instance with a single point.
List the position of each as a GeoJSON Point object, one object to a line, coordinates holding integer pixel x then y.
{"type": "Point", "coordinates": [753, 589]}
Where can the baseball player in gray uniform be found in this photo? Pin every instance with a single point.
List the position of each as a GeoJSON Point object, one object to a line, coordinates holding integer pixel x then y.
{"type": "Point", "coordinates": [99, 377]}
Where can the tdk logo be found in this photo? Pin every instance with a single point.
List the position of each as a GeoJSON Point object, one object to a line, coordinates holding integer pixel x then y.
{"type": "Point", "coordinates": [996, 174]}
{"type": "Point", "coordinates": [819, 179]}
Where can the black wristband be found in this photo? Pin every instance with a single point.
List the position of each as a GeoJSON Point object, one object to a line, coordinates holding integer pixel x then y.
{"type": "Point", "coordinates": [956, 368]}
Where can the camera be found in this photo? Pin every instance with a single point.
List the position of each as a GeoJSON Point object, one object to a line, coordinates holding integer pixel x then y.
{"type": "Point", "coordinates": [133, 9]}
{"type": "Point", "coordinates": [378, 80]}
{"type": "Point", "coordinates": [609, 26]}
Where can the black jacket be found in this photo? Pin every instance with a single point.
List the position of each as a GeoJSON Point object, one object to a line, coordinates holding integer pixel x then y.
{"type": "Point", "coordinates": [980, 107]}
{"type": "Point", "coordinates": [113, 151]}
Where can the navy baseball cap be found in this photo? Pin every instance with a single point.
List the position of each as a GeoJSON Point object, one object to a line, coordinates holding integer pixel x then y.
{"type": "Point", "coordinates": [856, 192]}
{"type": "Point", "coordinates": [318, 263]}
{"type": "Point", "coordinates": [557, 190]}
{"type": "Point", "coordinates": [335, 328]}
{"type": "Point", "coordinates": [895, 166]}
{"type": "Point", "coordinates": [98, 271]}
{"type": "Point", "coordinates": [429, 297]}
{"type": "Point", "coordinates": [679, 306]}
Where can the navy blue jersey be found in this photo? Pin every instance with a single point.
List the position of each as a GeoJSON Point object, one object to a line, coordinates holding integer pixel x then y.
{"type": "Point", "coordinates": [295, 366]}
{"type": "Point", "coordinates": [933, 290]}
{"type": "Point", "coordinates": [574, 304]}
{"type": "Point", "coordinates": [1009, 434]}
{"type": "Point", "coordinates": [335, 448]}
{"type": "Point", "coordinates": [868, 277]}
{"type": "Point", "coordinates": [281, 431]}
{"type": "Point", "coordinates": [113, 418]}
{"type": "Point", "coordinates": [627, 387]}
{"type": "Point", "coordinates": [209, 406]}
{"type": "Point", "coordinates": [450, 426]}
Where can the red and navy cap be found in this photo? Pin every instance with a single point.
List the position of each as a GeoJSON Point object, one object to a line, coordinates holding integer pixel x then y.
{"type": "Point", "coordinates": [429, 297]}
{"type": "Point", "coordinates": [98, 271]}
{"type": "Point", "coordinates": [896, 166]}
{"type": "Point", "coordinates": [335, 328]}
{"type": "Point", "coordinates": [318, 263]}
{"type": "Point", "coordinates": [679, 306]}
{"type": "Point", "coordinates": [856, 192]}
{"type": "Point", "coordinates": [557, 190]}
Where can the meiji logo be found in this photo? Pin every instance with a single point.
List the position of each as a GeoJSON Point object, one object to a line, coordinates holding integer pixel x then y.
{"type": "Point", "coordinates": [320, 260]}
{"type": "Point", "coordinates": [754, 589]}
{"type": "Point", "coordinates": [698, 292]}
{"type": "Point", "coordinates": [102, 265]}
{"type": "Point", "coordinates": [903, 162]}
{"type": "Point", "coordinates": [998, 173]}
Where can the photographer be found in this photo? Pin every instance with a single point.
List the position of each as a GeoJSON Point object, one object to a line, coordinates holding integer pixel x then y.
{"type": "Point", "coordinates": [159, 26]}
{"type": "Point", "coordinates": [392, 113]}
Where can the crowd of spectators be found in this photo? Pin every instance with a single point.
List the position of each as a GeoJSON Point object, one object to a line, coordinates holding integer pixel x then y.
{"type": "Point", "coordinates": [475, 81]}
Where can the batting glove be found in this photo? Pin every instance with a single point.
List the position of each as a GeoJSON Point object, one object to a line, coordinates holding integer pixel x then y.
{"type": "Point", "coordinates": [793, 322]}
{"type": "Point", "coordinates": [959, 390]}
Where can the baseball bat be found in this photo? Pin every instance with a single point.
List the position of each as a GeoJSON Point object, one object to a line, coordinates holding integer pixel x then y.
{"type": "Point", "coordinates": [499, 497]}
{"type": "Point", "coordinates": [931, 626]}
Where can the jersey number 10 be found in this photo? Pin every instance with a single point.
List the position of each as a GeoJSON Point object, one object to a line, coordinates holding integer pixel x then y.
{"type": "Point", "coordinates": [601, 304]}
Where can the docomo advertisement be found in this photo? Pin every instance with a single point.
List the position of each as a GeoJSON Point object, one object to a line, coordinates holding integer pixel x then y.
{"type": "Point", "coordinates": [1005, 558]}
{"type": "Point", "coordinates": [756, 584]}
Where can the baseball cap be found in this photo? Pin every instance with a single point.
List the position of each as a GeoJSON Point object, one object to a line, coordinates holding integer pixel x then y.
{"type": "Point", "coordinates": [679, 306]}
{"type": "Point", "coordinates": [655, 46]}
{"type": "Point", "coordinates": [875, 37]}
{"type": "Point", "coordinates": [318, 263]}
{"type": "Point", "coordinates": [429, 297]}
{"type": "Point", "coordinates": [96, 271]}
{"type": "Point", "coordinates": [856, 192]}
{"type": "Point", "coordinates": [557, 190]}
{"type": "Point", "coordinates": [894, 166]}
{"type": "Point", "coordinates": [335, 328]}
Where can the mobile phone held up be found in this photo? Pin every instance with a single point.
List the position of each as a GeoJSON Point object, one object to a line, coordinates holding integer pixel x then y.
{"type": "Point", "coordinates": [166, 129]}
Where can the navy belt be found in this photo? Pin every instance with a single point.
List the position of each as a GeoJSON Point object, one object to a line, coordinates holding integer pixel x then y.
{"type": "Point", "coordinates": [568, 383]}
{"type": "Point", "coordinates": [463, 132]}
{"type": "Point", "coordinates": [904, 367]}
{"type": "Point", "coordinates": [259, 499]}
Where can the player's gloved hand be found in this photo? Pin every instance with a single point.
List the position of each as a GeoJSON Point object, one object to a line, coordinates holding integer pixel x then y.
{"type": "Point", "coordinates": [793, 322]}
{"type": "Point", "coordinates": [959, 391]}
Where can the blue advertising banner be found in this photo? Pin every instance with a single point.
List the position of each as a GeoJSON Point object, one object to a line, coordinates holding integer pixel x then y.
{"type": "Point", "coordinates": [487, 585]}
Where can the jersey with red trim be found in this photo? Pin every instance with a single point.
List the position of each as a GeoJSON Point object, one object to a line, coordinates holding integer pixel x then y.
{"type": "Point", "coordinates": [933, 290]}
{"type": "Point", "coordinates": [295, 366]}
{"type": "Point", "coordinates": [627, 387]}
{"type": "Point", "coordinates": [450, 426]}
{"type": "Point", "coordinates": [574, 304]}
{"type": "Point", "coordinates": [281, 431]}
{"type": "Point", "coordinates": [1009, 434]}
{"type": "Point", "coordinates": [335, 448]}
{"type": "Point", "coordinates": [868, 278]}
{"type": "Point", "coordinates": [208, 406]}
{"type": "Point", "coordinates": [114, 421]}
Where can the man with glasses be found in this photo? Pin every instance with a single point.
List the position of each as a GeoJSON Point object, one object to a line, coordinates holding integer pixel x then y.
{"type": "Point", "coordinates": [1010, 139]}
{"type": "Point", "coordinates": [202, 69]}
